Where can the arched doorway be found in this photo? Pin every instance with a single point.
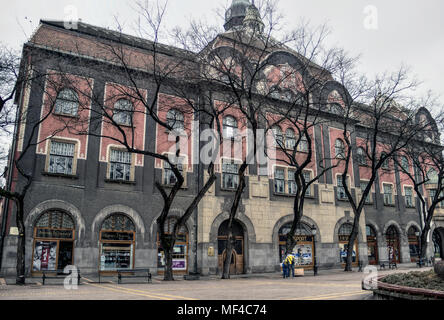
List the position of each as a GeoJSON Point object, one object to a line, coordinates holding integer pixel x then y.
{"type": "Point", "coordinates": [344, 233]}
{"type": "Point", "coordinates": [237, 258]}
{"type": "Point", "coordinates": [117, 243]}
{"type": "Point", "coordinates": [392, 238]}
{"type": "Point", "coordinates": [53, 247]}
{"type": "Point", "coordinates": [438, 244]}
{"type": "Point", "coordinates": [303, 250]}
{"type": "Point", "coordinates": [413, 243]}
{"type": "Point", "coordinates": [372, 245]}
{"type": "Point", "coordinates": [180, 250]}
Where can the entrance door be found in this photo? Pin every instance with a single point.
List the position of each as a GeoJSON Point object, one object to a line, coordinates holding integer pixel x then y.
{"type": "Point", "coordinates": [65, 254]}
{"type": "Point", "coordinates": [237, 261]}
{"type": "Point", "coordinates": [392, 237]}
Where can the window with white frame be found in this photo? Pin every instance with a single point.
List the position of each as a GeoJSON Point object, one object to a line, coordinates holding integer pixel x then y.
{"type": "Point", "coordinates": [339, 148]}
{"type": "Point", "coordinates": [307, 178]}
{"type": "Point", "coordinates": [340, 189]}
{"type": "Point", "coordinates": [408, 195]}
{"type": "Point", "coordinates": [123, 112]}
{"type": "Point", "coordinates": [292, 186]}
{"type": "Point", "coordinates": [120, 165]}
{"type": "Point", "coordinates": [279, 180]}
{"type": "Point", "coordinates": [432, 194]}
{"type": "Point", "coordinates": [230, 178]}
{"type": "Point", "coordinates": [303, 144]}
{"type": "Point", "coordinates": [361, 156]}
{"type": "Point", "coordinates": [278, 136]}
{"type": "Point", "coordinates": [61, 157]}
{"type": "Point", "coordinates": [363, 186]}
{"type": "Point", "coordinates": [290, 139]}
{"type": "Point", "coordinates": [405, 164]}
{"type": "Point", "coordinates": [175, 119]}
{"type": "Point", "coordinates": [169, 178]}
{"type": "Point", "coordinates": [388, 194]}
{"type": "Point", "coordinates": [67, 102]}
{"type": "Point", "coordinates": [229, 127]}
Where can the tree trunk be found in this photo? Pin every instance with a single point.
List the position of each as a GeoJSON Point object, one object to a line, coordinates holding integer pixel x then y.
{"type": "Point", "coordinates": [21, 245]}
{"type": "Point", "coordinates": [229, 253]}
{"type": "Point", "coordinates": [168, 273]}
{"type": "Point", "coordinates": [351, 245]}
{"type": "Point", "coordinates": [423, 247]}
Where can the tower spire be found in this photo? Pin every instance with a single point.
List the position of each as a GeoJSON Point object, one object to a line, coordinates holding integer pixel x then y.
{"type": "Point", "coordinates": [253, 21]}
{"type": "Point", "coordinates": [235, 14]}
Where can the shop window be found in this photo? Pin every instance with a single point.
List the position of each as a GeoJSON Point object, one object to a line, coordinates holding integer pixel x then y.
{"type": "Point", "coordinates": [303, 250]}
{"type": "Point", "coordinates": [230, 178]}
{"type": "Point", "coordinates": [117, 243]}
{"type": "Point", "coordinates": [120, 165]}
{"type": "Point", "coordinates": [180, 250]}
{"type": "Point", "coordinates": [344, 233]}
{"type": "Point", "coordinates": [372, 245]}
{"type": "Point", "coordinates": [67, 103]}
{"type": "Point", "coordinates": [53, 242]}
{"type": "Point", "coordinates": [123, 112]}
{"type": "Point", "coordinates": [61, 158]}
{"type": "Point", "coordinates": [413, 244]}
{"type": "Point", "coordinates": [393, 244]}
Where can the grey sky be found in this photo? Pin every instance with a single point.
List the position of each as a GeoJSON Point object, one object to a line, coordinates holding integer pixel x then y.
{"type": "Point", "coordinates": [409, 31]}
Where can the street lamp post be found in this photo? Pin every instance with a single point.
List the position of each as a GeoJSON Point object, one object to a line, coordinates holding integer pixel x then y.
{"type": "Point", "coordinates": [315, 267]}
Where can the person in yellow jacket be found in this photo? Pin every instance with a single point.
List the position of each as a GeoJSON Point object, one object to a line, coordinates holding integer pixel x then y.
{"type": "Point", "coordinates": [290, 261]}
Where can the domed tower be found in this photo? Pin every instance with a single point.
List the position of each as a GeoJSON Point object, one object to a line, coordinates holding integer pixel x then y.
{"type": "Point", "coordinates": [235, 15]}
{"type": "Point", "coordinates": [253, 20]}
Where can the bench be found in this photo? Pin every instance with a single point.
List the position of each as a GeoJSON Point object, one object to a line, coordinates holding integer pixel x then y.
{"type": "Point", "coordinates": [58, 274]}
{"type": "Point", "coordinates": [133, 273]}
{"type": "Point", "coordinates": [425, 262]}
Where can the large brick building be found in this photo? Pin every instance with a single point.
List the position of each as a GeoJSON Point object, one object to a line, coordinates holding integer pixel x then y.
{"type": "Point", "coordinates": [93, 205]}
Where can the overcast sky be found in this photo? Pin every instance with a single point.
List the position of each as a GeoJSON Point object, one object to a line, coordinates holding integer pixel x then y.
{"type": "Point", "coordinates": [407, 31]}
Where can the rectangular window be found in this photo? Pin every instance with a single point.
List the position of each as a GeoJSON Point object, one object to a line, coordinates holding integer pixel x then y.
{"type": "Point", "coordinates": [408, 197]}
{"type": "Point", "coordinates": [120, 165]}
{"type": "Point", "coordinates": [341, 190]}
{"type": "Point", "coordinates": [61, 157]}
{"type": "Point", "coordinates": [279, 180]}
{"type": "Point", "coordinates": [230, 179]}
{"type": "Point", "coordinates": [363, 186]}
{"type": "Point", "coordinates": [307, 178]}
{"type": "Point", "coordinates": [169, 178]}
{"type": "Point", "coordinates": [292, 186]}
{"type": "Point", "coordinates": [388, 194]}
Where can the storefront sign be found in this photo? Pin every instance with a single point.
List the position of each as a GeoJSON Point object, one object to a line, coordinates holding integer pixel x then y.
{"type": "Point", "coordinates": [54, 234]}
{"type": "Point", "coordinates": [118, 236]}
{"type": "Point", "coordinates": [179, 264]}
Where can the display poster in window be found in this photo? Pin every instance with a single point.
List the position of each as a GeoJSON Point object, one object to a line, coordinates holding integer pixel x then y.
{"type": "Point", "coordinates": [343, 252]}
{"type": "Point", "coordinates": [303, 254]}
{"type": "Point", "coordinates": [179, 264]}
{"type": "Point", "coordinates": [44, 256]}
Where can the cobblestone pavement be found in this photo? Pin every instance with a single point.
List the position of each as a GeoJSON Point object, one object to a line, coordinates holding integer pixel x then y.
{"type": "Point", "coordinates": [328, 285]}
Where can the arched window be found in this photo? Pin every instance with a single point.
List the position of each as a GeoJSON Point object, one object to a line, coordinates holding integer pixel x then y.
{"type": "Point", "coordinates": [278, 136]}
{"type": "Point", "coordinates": [344, 233]}
{"type": "Point", "coordinates": [339, 148]}
{"type": "Point", "coordinates": [372, 245]}
{"type": "Point", "coordinates": [303, 250]}
{"type": "Point", "coordinates": [413, 243]}
{"type": "Point", "coordinates": [229, 127]}
{"type": "Point", "coordinates": [405, 164]}
{"type": "Point", "coordinates": [53, 241]}
{"type": "Point", "coordinates": [175, 119]}
{"type": "Point", "coordinates": [290, 139]}
{"type": "Point", "coordinates": [361, 156]}
{"type": "Point", "coordinates": [123, 112]}
{"type": "Point", "coordinates": [67, 102]}
{"type": "Point", "coordinates": [117, 243]}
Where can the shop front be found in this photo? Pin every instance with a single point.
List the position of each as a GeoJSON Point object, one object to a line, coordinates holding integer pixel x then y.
{"type": "Point", "coordinates": [237, 256]}
{"type": "Point", "coordinates": [372, 246]}
{"type": "Point", "coordinates": [180, 250]}
{"type": "Point", "coordinates": [53, 246]}
{"type": "Point", "coordinates": [393, 245]}
{"type": "Point", "coordinates": [343, 239]}
{"type": "Point", "coordinates": [413, 236]}
{"type": "Point", "coordinates": [117, 244]}
{"type": "Point", "coordinates": [304, 248]}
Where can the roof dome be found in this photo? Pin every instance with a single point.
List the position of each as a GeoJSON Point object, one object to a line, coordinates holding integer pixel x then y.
{"type": "Point", "coordinates": [236, 13]}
